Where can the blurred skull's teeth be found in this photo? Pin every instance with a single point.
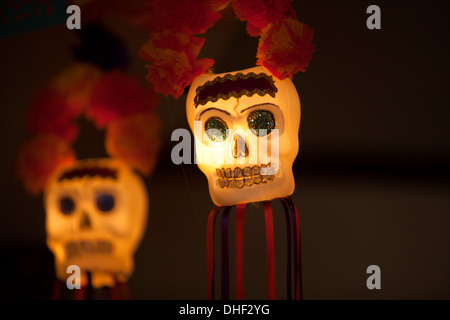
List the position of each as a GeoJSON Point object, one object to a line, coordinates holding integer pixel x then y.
{"type": "Point", "coordinates": [247, 171]}
{"type": "Point", "coordinates": [231, 183]}
{"type": "Point", "coordinates": [263, 179]}
{"type": "Point", "coordinates": [248, 181]}
{"type": "Point", "coordinates": [228, 173]}
{"type": "Point", "coordinates": [219, 173]}
{"type": "Point", "coordinates": [237, 172]}
{"type": "Point", "coordinates": [223, 182]}
{"type": "Point", "coordinates": [223, 173]}
{"type": "Point", "coordinates": [87, 247]}
{"type": "Point", "coordinates": [271, 177]}
{"type": "Point", "coordinates": [239, 182]}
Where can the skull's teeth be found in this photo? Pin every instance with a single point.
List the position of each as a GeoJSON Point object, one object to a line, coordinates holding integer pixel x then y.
{"type": "Point", "coordinates": [223, 182]}
{"type": "Point", "coordinates": [256, 170]}
{"type": "Point", "coordinates": [231, 183]}
{"type": "Point", "coordinates": [247, 171]}
{"type": "Point", "coordinates": [238, 178]}
{"type": "Point", "coordinates": [240, 182]}
{"type": "Point", "coordinates": [264, 179]}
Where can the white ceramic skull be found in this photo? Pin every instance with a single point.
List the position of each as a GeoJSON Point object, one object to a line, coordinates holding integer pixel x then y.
{"type": "Point", "coordinates": [226, 112]}
{"type": "Point", "coordinates": [96, 213]}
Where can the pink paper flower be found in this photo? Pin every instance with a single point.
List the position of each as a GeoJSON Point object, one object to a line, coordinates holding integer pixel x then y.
{"type": "Point", "coordinates": [135, 140]}
{"type": "Point", "coordinates": [117, 96]}
{"type": "Point", "coordinates": [286, 48]}
{"type": "Point", "coordinates": [173, 61]}
{"type": "Point", "coordinates": [259, 13]}
{"type": "Point", "coordinates": [38, 158]}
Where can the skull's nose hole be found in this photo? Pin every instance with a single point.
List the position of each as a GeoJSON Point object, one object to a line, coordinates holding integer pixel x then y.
{"type": "Point", "coordinates": [85, 222]}
{"type": "Point", "coordinates": [239, 147]}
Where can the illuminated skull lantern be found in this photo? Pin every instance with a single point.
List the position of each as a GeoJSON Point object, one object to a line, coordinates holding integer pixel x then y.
{"type": "Point", "coordinates": [96, 213]}
{"type": "Point", "coordinates": [245, 125]}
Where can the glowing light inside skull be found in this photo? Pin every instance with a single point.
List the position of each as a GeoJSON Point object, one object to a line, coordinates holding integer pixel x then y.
{"type": "Point", "coordinates": [96, 212]}
{"type": "Point", "coordinates": [245, 125]}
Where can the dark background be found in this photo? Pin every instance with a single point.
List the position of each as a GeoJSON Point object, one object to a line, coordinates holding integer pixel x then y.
{"type": "Point", "coordinates": [372, 174]}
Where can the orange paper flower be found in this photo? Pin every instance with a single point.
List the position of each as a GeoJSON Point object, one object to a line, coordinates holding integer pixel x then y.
{"type": "Point", "coordinates": [75, 84]}
{"type": "Point", "coordinates": [39, 157]}
{"type": "Point", "coordinates": [173, 61]}
{"type": "Point", "coordinates": [135, 140]}
{"type": "Point", "coordinates": [286, 48]}
{"type": "Point", "coordinates": [116, 96]}
{"type": "Point", "coordinates": [259, 14]}
{"type": "Point", "coordinates": [219, 5]}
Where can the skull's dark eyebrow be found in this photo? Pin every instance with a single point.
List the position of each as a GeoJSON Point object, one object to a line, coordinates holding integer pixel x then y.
{"type": "Point", "coordinates": [90, 172]}
{"type": "Point", "coordinates": [259, 105]}
{"type": "Point", "coordinates": [213, 109]}
{"type": "Point", "coordinates": [237, 85]}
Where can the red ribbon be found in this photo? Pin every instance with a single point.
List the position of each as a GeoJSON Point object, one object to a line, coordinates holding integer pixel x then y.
{"type": "Point", "coordinates": [210, 253]}
{"type": "Point", "coordinates": [56, 293]}
{"type": "Point", "coordinates": [298, 291]}
{"type": "Point", "coordinates": [239, 251]}
{"type": "Point", "coordinates": [271, 276]}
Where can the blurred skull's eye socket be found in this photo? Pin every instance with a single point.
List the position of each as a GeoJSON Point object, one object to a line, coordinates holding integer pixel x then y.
{"type": "Point", "coordinates": [216, 129]}
{"type": "Point", "coordinates": [261, 122]}
{"type": "Point", "coordinates": [105, 202]}
{"type": "Point", "coordinates": [66, 205]}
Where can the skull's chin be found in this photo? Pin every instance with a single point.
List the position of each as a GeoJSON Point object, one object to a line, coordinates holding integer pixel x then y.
{"type": "Point", "coordinates": [230, 186]}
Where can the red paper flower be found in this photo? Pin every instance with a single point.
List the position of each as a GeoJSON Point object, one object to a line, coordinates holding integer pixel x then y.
{"type": "Point", "coordinates": [135, 12]}
{"type": "Point", "coordinates": [50, 113]}
{"type": "Point", "coordinates": [174, 63]}
{"type": "Point", "coordinates": [39, 158]}
{"type": "Point", "coordinates": [259, 14]}
{"type": "Point", "coordinates": [188, 17]}
{"type": "Point", "coordinates": [286, 48]}
{"type": "Point", "coordinates": [117, 96]}
{"type": "Point", "coordinates": [135, 140]}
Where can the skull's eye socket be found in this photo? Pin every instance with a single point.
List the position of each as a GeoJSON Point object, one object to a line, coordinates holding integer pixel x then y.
{"type": "Point", "coordinates": [261, 122]}
{"type": "Point", "coordinates": [105, 202]}
{"type": "Point", "coordinates": [66, 205]}
{"type": "Point", "coordinates": [216, 129]}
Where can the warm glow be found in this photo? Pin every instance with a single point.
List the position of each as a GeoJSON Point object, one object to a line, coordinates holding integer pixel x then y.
{"type": "Point", "coordinates": [221, 104]}
{"type": "Point", "coordinates": [96, 213]}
